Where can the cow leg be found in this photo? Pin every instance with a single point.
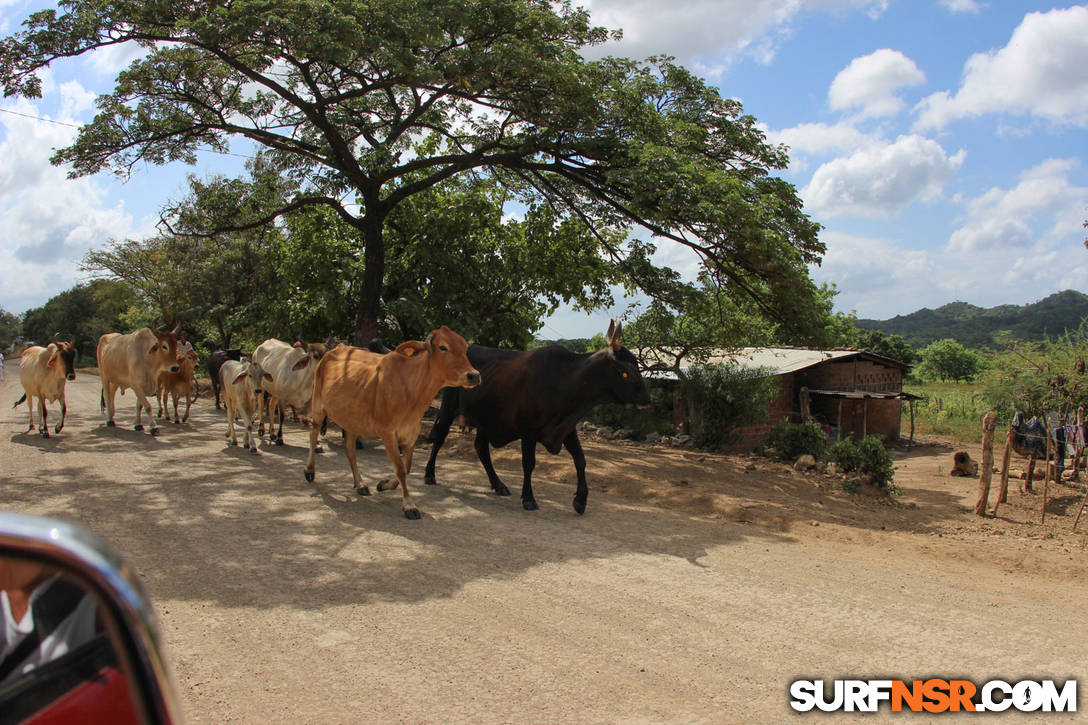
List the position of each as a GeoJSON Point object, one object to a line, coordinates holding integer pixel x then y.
{"type": "Point", "coordinates": [230, 423]}
{"type": "Point", "coordinates": [528, 463]}
{"type": "Point", "coordinates": [349, 447]}
{"type": "Point", "coordinates": [281, 408]}
{"type": "Point", "coordinates": [392, 450]}
{"type": "Point", "coordinates": [30, 410]}
{"type": "Point", "coordinates": [159, 395]}
{"type": "Point", "coordinates": [174, 399]}
{"type": "Point", "coordinates": [63, 414]}
{"type": "Point", "coordinates": [483, 452]}
{"type": "Point", "coordinates": [188, 405]}
{"type": "Point", "coordinates": [43, 413]}
{"type": "Point", "coordinates": [109, 396]}
{"type": "Point", "coordinates": [574, 447]}
{"type": "Point", "coordinates": [439, 431]}
{"type": "Point", "coordinates": [250, 439]}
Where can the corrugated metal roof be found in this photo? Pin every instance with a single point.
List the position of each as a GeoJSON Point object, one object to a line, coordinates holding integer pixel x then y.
{"type": "Point", "coordinates": [780, 360]}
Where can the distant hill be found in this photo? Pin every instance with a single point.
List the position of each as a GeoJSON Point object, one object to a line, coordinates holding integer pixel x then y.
{"type": "Point", "coordinates": [979, 327]}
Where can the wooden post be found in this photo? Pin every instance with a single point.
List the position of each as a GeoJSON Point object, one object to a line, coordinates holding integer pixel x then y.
{"type": "Point", "coordinates": [989, 423]}
{"type": "Point", "coordinates": [1003, 492]}
{"type": "Point", "coordinates": [1046, 469]}
{"type": "Point", "coordinates": [806, 411]}
{"type": "Point", "coordinates": [864, 416]}
{"type": "Point", "coordinates": [911, 401]}
{"type": "Point", "coordinates": [838, 436]}
{"type": "Point", "coordinates": [1083, 503]}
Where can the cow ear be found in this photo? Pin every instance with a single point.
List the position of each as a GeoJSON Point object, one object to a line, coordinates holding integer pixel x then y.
{"type": "Point", "coordinates": [52, 355]}
{"type": "Point", "coordinates": [298, 343]}
{"type": "Point", "coordinates": [239, 379]}
{"type": "Point", "coordinates": [301, 363]}
{"type": "Point", "coordinates": [410, 348]}
{"type": "Point", "coordinates": [615, 329]}
{"type": "Point", "coordinates": [267, 377]}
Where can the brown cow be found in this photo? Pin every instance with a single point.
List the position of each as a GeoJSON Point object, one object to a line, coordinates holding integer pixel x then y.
{"type": "Point", "coordinates": [135, 361]}
{"type": "Point", "coordinates": [369, 394]}
{"type": "Point", "coordinates": [174, 385]}
{"type": "Point", "coordinates": [43, 372]}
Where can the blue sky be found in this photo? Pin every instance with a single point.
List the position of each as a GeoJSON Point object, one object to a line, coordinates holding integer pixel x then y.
{"type": "Point", "coordinates": [941, 143]}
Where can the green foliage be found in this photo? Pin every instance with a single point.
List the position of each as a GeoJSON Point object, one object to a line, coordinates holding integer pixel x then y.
{"type": "Point", "coordinates": [725, 398]}
{"type": "Point", "coordinates": [362, 107]}
{"type": "Point", "coordinates": [82, 314]}
{"type": "Point", "coordinates": [1035, 378]}
{"type": "Point", "coordinates": [640, 421]}
{"type": "Point", "coordinates": [791, 440]}
{"type": "Point", "coordinates": [869, 457]}
{"type": "Point", "coordinates": [948, 360]}
{"type": "Point", "coordinates": [9, 328]}
{"type": "Point", "coordinates": [950, 409]}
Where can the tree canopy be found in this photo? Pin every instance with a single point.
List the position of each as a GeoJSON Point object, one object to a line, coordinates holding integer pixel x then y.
{"type": "Point", "coordinates": [360, 107]}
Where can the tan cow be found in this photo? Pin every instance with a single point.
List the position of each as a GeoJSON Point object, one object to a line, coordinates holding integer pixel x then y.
{"type": "Point", "coordinates": [369, 394]}
{"type": "Point", "coordinates": [242, 383]}
{"type": "Point", "coordinates": [292, 370]}
{"type": "Point", "coordinates": [174, 385]}
{"type": "Point", "coordinates": [134, 361]}
{"type": "Point", "coordinates": [43, 372]}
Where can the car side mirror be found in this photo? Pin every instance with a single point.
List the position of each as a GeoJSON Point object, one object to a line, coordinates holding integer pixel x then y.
{"type": "Point", "coordinates": [78, 637]}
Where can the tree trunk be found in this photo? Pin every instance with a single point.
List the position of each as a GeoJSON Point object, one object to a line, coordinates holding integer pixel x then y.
{"type": "Point", "coordinates": [989, 423]}
{"type": "Point", "coordinates": [370, 294]}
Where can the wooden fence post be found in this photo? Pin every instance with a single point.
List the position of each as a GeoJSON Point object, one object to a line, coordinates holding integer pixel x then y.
{"type": "Point", "coordinates": [989, 424]}
{"type": "Point", "coordinates": [1003, 491]}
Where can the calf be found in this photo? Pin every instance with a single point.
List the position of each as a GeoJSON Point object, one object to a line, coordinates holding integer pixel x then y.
{"type": "Point", "coordinates": [43, 372]}
{"type": "Point", "coordinates": [215, 361]}
{"type": "Point", "coordinates": [370, 394]}
{"type": "Point", "coordinates": [538, 397]}
{"type": "Point", "coordinates": [242, 383]}
{"type": "Point", "coordinates": [135, 361]}
{"type": "Point", "coordinates": [174, 385]}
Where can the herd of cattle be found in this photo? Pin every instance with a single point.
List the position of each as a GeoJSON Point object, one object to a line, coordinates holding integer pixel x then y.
{"type": "Point", "coordinates": [537, 396]}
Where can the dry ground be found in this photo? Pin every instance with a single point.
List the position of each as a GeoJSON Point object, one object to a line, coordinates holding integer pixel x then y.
{"type": "Point", "coordinates": [694, 589]}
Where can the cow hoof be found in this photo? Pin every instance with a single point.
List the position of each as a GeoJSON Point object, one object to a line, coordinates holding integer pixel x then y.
{"type": "Point", "coordinates": [57, 429]}
{"type": "Point", "coordinates": [579, 506]}
{"type": "Point", "coordinates": [279, 441]}
{"type": "Point", "coordinates": [363, 491]}
{"type": "Point", "coordinates": [234, 443]}
{"type": "Point", "coordinates": [154, 431]}
{"type": "Point", "coordinates": [309, 476]}
{"type": "Point", "coordinates": [429, 480]}
{"type": "Point", "coordinates": [45, 433]}
{"type": "Point", "coordinates": [388, 484]}
{"type": "Point", "coordinates": [501, 490]}
{"type": "Point", "coordinates": [175, 421]}
{"type": "Point", "coordinates": [253, 450]}
{"type": "Point", "coordinates": [138, 427]}
{"type": "Point", "coordinates": [110, 423]}
{"type": "Point", "coordinates": [412, 514]}
{"type": "Point", "coordinates": [358, 444]}
{"type": "Point", "coordinates": [317, 449]}
{"type": "Point", "coordinates": [530, 505]}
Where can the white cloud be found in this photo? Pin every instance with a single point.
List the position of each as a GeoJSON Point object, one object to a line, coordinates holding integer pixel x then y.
{"type": "Point", "coordinates": [706, 33]}
{"type": "Point", "coordinates": [1042, 72]}
{"type": "Point", "coordinates": [870, 83]}
{"type": "Point", "coordinates": [1043, 210]}
{"type": "Point", "coordinates": [821, 138]}
{"type": "Point", "coordinates": [49, 221]}
{"type": "Point", "coordinates": [881, 180]}
{"type": "Point", "coordinates": [962, 6]}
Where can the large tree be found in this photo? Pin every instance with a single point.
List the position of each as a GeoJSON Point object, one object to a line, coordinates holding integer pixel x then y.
{"type": "Point", "coordinates": [340, 93]}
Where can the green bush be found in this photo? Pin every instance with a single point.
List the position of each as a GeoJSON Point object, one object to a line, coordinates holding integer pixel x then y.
{"type": "Point", "coordinates": [868, 457]}
{"type": "Point", "coordinates": [724, 399]}
{"type": "Point", "coordinates": [790, 440]}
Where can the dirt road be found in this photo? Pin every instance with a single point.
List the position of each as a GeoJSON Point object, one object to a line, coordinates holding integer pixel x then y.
{"type": "Point", "coordinates": [695, 588]}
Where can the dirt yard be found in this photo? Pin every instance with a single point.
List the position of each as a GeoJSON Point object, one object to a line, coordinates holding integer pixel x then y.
{"type": "Point", "coordinates": [695, 588]}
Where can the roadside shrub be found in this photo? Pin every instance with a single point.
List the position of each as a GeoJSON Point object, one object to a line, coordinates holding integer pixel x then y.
{"type": "Point", "coordinates": [791, 440]}
{"type": "Point", "coordinates": [724, 399]}
{"type": "Point", "coordinates": [868, 457]}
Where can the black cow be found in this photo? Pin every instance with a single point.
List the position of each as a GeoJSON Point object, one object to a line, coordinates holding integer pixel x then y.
{"type": "Point", "coordinates": [215, 361]}
{"type": "Point", "coordinates": [538, 397]}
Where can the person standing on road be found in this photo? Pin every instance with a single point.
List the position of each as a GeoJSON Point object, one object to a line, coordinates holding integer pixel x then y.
{"type": "Point", "coordinates": [1, 365]}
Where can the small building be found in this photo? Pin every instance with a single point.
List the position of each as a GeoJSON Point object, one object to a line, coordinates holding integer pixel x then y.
{"type": "Point", "coordinates": [853, 393]}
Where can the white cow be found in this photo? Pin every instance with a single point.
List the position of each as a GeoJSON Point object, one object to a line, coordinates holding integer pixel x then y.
{"type": "Point", "coordinates": [241, 386]}
{"type": "Point", "coordinates": [292, 370]}
{"type": "Point", "coordinates": [43, 372]}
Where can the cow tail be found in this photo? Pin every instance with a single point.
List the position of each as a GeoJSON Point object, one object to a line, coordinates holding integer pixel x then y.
{"type": "Point", "coordinates": [19, 401]}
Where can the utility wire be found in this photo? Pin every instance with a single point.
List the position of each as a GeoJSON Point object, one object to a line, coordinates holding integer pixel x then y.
{"type": "Point", "coordinates": [74, 125]}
